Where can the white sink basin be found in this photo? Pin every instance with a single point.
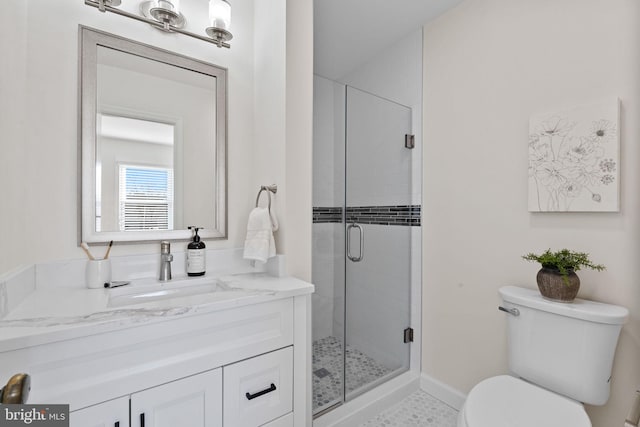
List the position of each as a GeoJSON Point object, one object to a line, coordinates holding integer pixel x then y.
{"type": "Point", "coordinates": [144, 291]}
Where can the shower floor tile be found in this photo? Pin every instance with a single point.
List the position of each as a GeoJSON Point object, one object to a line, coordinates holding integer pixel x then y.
{"type": "Point", "coordinates": [419, 410]}
{"type": "Point", "coordinates": [327, 371]}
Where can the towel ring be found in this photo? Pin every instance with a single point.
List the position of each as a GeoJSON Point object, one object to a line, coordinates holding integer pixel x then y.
{"type": "Point", "coordinates": [269, 189]}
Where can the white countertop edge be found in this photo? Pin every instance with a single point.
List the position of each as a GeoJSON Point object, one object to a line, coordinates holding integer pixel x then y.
{"type": "Point", "coordinates": [258, 287]}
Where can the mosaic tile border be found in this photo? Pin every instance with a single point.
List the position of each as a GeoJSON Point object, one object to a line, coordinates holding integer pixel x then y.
{"type": "Point", "coordinates": [327, 215]}
{"type": "Point", "coordinates": [381, 215]}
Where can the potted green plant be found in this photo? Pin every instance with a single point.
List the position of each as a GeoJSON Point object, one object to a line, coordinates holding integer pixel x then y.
{"type": "Point", "coordinates": [557, 279]}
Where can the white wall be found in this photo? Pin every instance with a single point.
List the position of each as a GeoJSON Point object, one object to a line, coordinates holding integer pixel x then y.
{"type": "Point", "coordinates": [40, 47]}
{"type": "Point", "coordinates": [283, 104]}
{"type": "Point", "coordinates": [299, 134]}
{"type": "Point", "coordinates": [13, 152]}
{"type": "Point", "coordinates": [489, 65]}
{"type": "Point", "coordinates": [270, 104]}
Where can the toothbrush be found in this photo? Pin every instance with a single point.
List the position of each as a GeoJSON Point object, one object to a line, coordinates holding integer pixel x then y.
{"type": "Point", "coordinates": [86, 250]}
{"type": "Point", "coordinates": [108, 250]}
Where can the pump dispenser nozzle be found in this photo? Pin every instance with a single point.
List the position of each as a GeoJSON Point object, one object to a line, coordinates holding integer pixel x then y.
{"type": "Point", "coordinates": [196, 238]}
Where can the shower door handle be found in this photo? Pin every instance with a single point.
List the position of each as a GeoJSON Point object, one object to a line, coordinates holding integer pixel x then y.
{"type": "Point", "coordinates": [361, 231]}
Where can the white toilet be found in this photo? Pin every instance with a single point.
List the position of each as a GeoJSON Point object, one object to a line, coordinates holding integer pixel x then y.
{"type": "Point", "coordinates": [560, 354]}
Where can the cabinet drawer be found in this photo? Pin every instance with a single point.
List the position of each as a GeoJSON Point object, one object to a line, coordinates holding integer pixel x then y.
{"type": "Point", "coordinates": [258, 390]}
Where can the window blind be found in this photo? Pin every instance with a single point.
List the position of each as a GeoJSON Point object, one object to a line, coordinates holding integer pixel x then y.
{"type": "Point", "coordinates": [145, 198]}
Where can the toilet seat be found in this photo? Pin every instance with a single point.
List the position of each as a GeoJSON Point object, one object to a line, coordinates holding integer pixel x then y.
{"type": "Point", "coordinates": [505, 401]}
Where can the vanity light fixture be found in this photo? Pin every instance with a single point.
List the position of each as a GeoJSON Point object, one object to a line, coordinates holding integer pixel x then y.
{"type": "Point", "coordinates": [165, 11]}
{"type": "Point", "coordinates": [165, 15]}
{"type": "Point", "coordinates": [220, 19]}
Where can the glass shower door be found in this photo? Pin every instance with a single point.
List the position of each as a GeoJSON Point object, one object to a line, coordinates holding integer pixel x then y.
{"type": "Point", "coordinates": [378, 240]}
{"type": "Point", "coordinates": [362, 219]}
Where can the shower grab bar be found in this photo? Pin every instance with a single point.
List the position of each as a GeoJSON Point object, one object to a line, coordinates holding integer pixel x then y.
{"type": "Point", "coordinates": [351, 257]}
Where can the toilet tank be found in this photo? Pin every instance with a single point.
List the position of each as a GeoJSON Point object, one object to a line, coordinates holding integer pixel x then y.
{"type": "Point", "coordinates": [567, 348]}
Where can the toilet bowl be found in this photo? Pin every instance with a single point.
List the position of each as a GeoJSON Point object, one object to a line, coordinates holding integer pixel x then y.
{"type": "Point", "coordinates": [506, 401]}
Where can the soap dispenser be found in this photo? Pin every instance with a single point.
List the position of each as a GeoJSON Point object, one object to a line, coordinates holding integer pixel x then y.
{"type": "Point", "coordinates": [196, 255]}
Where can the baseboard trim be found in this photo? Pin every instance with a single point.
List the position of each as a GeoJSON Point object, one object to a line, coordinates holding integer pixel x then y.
{"type": "Point", "coordinates": [370, 404]}
{"type": "Point", "coordinates": [442, 391]}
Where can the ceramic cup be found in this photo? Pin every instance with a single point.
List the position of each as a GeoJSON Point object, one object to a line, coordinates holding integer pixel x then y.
{"type": "Point", "coordinates": [98, 273]}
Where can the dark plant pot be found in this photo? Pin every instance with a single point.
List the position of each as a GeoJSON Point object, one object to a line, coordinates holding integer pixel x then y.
{"type": "Point", "coordinates": [556, 287]}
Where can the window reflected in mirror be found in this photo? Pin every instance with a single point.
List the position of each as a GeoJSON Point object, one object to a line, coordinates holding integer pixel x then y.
{"type": "Point", "coordinates": [135, 172]}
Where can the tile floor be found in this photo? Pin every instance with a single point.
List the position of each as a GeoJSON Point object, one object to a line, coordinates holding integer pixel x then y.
{"type": "Point", "coordinates": [327, 371]}
{"type": "Point", "coordinates": [417, 410]}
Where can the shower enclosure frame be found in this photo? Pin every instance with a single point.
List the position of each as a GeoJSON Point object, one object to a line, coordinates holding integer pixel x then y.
{"type": "Point", "coordinates": [351, 254]}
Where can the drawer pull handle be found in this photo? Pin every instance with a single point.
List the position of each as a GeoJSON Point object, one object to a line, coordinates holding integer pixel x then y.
{"type": "Point", "coordinates": [260, 393]}
{"type": "Point", "coordinates": [142, 419]}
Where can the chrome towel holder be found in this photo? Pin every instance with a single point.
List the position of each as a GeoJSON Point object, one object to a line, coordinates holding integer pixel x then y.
{"type": "Point", "coordinates": [273, 188]}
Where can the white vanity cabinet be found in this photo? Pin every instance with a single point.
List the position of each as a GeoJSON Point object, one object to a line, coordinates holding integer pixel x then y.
{"type": "Point", "coordinates": [257, 391]}
{"type": "Point", "coordinates": [245, 365]}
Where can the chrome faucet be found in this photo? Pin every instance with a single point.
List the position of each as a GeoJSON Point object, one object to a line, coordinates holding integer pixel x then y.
{"type": "Point", "coordinates": [165, 261]}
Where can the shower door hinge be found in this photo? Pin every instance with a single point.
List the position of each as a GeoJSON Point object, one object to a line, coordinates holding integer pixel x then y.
{"type": "Point", "coordinates": [408, 335]}
{"type": "Point", "coordinates": [409, 141]}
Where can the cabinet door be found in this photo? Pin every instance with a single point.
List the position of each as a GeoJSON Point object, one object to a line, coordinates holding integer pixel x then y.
{"type": "Point", "coordinates": [114, 413]}
{"type": "Point", "coordinates": [190, 402]}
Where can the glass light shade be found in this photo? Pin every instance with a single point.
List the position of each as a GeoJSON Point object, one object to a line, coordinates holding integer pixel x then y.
{"type": "Point", "coordinates": [172, 5]}
{"type": "Point", "coordinates": [220, 14]}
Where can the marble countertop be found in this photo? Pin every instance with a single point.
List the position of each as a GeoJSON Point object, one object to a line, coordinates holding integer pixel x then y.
{"type": "Point", "coordinates": [50, 315]}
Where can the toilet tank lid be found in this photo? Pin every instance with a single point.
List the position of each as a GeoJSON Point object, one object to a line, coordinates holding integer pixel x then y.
{"type": "Point", "coordinates": [578, 309]}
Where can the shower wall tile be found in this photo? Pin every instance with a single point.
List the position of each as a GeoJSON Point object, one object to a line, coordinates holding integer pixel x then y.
{"type": "Point", "coordinates": [379, 166]}
{"type": "Point", "coordinates": [323, 262]}
{"type": "Point", "coordinates": [323, 146]}
{"type": "Point", "coordinates": [328, 142]}
{"type": "Point", "coordinates": [322, 325]}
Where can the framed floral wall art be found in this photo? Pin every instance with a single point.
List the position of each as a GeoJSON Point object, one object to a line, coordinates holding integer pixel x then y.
{"type": "Point", "coordinates": [574, 159]}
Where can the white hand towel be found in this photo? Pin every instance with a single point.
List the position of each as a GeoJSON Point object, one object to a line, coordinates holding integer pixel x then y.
{"type": "Point", "coordinates": [259, 244]}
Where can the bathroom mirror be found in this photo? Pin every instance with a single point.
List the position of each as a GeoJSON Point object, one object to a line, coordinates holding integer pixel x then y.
{"type": "Point", "coordinates": [153, 141]}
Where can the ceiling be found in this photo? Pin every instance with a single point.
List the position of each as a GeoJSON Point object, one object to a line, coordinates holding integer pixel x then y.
{"type": "Point", "coordinates": [347, 33]}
